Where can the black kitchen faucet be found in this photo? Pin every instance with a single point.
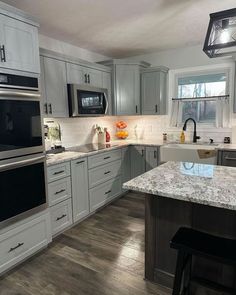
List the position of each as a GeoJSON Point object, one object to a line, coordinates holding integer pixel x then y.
{"type": "Point", "coordinates": [195, 137]}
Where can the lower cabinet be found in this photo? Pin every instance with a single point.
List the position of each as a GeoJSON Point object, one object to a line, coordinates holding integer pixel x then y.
{"type": "Point", "coordinates": [80, 197]}
{"type": "Point", "coordinates": [23, 240]}
{"type": "Point", "coordinates": [61, 216]}
{"type": "Point", "coordinates": [125, 165]}
{"type": "Point", "coordinates": [137, 160]}
{"type": "Point", "coordinates": [151, 157]}
{"type": "Point", "coordinates": [104, 193]}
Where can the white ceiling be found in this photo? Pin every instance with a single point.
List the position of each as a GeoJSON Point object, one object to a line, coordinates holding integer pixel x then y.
{"type": "Point", "coordinates": [122, 28]}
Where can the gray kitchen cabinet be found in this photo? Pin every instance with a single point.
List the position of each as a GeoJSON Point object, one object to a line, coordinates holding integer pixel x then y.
{"type": "Point", "coordinates": [227, 158]}
{"type": "Point", "coordinates": [125, 164]}
{"type": "Point", "coordinates": [19, 45]}
{"type": "Point", "coordinates": [126, 86]}
{"type": "Point", "coordinates": [151, 157]}
{"type": "Point", "coordinates": [154, 91]}
{"type": "Point", "coordinates": [77, 74]}
{"type": "Point", "coordinates": [80, 197]}
{"type": "Point", "coordinates": [137, 160]}
{"type": "Point", "coordinates": [106, 83]}
{"type": "Point", "coordinates": [55, 95]}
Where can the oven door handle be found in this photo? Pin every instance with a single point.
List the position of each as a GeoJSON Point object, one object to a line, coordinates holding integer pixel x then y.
{"type": "Point", "coordinates": [21, 163]}
{"type": "Point", "coordinates": [19, 93]}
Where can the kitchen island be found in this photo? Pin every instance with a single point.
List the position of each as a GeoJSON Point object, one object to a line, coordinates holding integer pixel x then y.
{"type": "Point", "coordinates": [178, 194]}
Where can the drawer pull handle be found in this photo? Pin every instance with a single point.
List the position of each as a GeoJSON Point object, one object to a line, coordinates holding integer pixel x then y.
{"type": "Point", "coordinates": [80, 162]}
{"type": "Point", "coordinates": [14, 248]}
{"type": "Point", "coordinates": [107, 192]}
{"type": "Point", "coordinates": [58, 172]}
{"type": "Point", "coordinates": [59, 218]}
{"type": "Point", "coordinates": [229, 158]}
{"type": "Point", "coordinates": [107, 172]}
{"type": "Point", "coordinates": [107, 158]}
{"type": "Point", "coordinates": [61, 191]}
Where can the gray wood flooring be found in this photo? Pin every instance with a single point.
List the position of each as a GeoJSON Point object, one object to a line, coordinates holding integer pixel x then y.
{"type": "Point", "coordinates": [103, 255]}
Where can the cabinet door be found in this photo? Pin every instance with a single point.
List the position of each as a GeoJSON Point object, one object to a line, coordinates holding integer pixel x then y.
{"type": "Point", "coordinates": [127, 90]}
{"type": "Point", "coordinates": [153, 85]}
{"type": "Point", "coordinates": [94, 77]}
{"type": "Point", "coordinates": [125, 165]}
{"type": "Point", "coordinates": [228, 159]}
{"type": "Point", "coordinates": [80, 199]}
{"type": "Point", "coordinates": [56, 87]}
{"type": "Point", "coordinates": [42, 89]}
{"type": "Point", "coordinates": [75, 74]}
{"type": "Point", "coordinates": [20, 41]}
{"type": "Point", "coordinates": [152, 157]}
{"type": "Point", "coordinates": [106, 83]}
{"type": "Point", "coordinates": [137, 160]}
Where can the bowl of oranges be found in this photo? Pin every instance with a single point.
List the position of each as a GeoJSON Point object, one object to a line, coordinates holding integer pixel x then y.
{"type": "Point", "coordinates": [121, 133]}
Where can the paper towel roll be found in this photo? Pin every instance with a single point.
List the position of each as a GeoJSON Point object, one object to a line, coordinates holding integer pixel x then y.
{"type": "Point", "coordinates": [234, 134]}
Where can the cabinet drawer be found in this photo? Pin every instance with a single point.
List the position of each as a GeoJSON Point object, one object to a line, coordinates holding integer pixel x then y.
{"type": "Point", "coordinates": [103, 173]}
{"type": "Point", "coordinates": [104, 158]}
{"type": "Point", "coordinates": [103, 193]}
{"type": "Point", "coordinates": [229, 158]}
{"type": "Point", "coordinates": [22, 241]}
{"type": "Point", "coordinates": [59, 171]}
{"type": "Point", "coordinates": [61, 216]}
{"type": "Point", "coordinates": [59, 190]}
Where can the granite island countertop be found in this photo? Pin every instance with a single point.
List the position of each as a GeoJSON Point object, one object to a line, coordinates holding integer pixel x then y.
{"type": "Point", "coordinates": [198, 183]}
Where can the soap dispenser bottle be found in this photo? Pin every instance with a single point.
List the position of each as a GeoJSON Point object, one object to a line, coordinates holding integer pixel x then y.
{"type": "Point", "coordinates": [182, 137]}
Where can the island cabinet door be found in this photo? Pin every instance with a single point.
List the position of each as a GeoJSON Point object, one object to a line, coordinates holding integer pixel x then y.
{"type": "Point", "coordinates": [137, 160]}
{"type": "Point", "coordinates": [80, 198]}
{"type": "Point", "coordinates": [152, 157]}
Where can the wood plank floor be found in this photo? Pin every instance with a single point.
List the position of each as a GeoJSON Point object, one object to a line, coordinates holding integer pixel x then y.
{"type": "Point", "coordinates": [103, 255]}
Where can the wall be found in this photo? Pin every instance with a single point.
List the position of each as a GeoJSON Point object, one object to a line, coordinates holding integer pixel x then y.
{"type": "Point", "coordinates": [68, 49]}
{"type": "Point", "coordinates": [181, 58]}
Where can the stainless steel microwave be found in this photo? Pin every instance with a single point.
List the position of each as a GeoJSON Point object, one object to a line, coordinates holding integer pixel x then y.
{"type": "Point", "coordinates": [84, 100]}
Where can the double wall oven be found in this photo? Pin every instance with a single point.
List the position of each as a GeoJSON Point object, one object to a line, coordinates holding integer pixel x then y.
{"type": "Point", "coordinates": [22, 158]}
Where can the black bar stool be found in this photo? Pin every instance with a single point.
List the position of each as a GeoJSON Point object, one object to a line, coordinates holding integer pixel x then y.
{"type": "Point", "coordinates": [191, 242]}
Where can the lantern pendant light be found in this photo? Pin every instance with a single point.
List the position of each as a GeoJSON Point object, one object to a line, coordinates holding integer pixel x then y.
{"type": "Point", "coordinates": [221, 34]}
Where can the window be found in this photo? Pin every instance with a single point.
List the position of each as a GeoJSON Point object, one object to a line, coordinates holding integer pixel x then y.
{"type": "Point", "coordinates": [198, 94]}
{"type": "Point", "coordinates": [203, 96]}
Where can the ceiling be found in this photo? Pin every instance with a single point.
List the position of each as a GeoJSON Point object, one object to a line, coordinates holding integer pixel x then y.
{"type": "Point", "coordinates": [125, 27]}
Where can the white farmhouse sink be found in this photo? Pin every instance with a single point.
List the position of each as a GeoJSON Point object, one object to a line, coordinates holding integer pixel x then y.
{"type": "Point", "coordinates": [195, 153]}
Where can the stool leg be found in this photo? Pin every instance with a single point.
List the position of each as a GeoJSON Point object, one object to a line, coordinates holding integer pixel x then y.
{"type": "Point", "coordinates": [187, 274]}
{"type": "Point", "coordinates": [178, 273]}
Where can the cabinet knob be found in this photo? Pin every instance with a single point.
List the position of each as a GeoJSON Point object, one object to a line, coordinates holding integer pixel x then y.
{"type": "Point", "coordinates": [46, 108]}
{"type": "Point", "coordinates": [156, 108]}
{"type": "Point", "coordinates": [2, 53]}
{"type": "Point", "coordinates": [136, 109]}
{"type": "Point", "coordinates": [142, 153]}
{"type": "Point", "coordinates": [50, 108]}
{"type": "Point", "coordinates": [155, 154]}
{"type": "Point", "coordinates": [85, 78]}
{"type": "Point", "coordinates": [88, 78]}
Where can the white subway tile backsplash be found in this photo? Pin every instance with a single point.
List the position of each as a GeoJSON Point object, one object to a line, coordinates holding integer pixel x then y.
{"type": "Point", "coordinates": [78, 131]}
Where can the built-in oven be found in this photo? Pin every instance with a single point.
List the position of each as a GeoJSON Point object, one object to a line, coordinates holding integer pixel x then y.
{"type": "Point", "coordinates": [84, 100]}
{"type": "Point", "coordinates": [22, 187]}
{"type": "Point", "coordinates": [20, 120]}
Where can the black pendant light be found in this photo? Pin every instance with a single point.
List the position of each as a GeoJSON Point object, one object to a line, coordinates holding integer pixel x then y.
{"type": "Point", "coordinates": [221, 34]}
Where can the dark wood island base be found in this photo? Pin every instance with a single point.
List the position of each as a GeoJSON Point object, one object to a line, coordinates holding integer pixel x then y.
{"type": "Point", "coordinates": [163, 217]}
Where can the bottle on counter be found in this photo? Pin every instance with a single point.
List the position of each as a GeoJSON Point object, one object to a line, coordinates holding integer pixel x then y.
{"type": "Point", "coordinates": [108, 137]}
{"type": "Point", "coordinates": [182, 137]}
{"type": "Point", "coordinates": [164, 137]}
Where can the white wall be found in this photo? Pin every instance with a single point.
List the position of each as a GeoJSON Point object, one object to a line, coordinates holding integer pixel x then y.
{"type": "Point", "coordinates": [180, 58]}
{"type": "Point", "coordinates": [68, 49]}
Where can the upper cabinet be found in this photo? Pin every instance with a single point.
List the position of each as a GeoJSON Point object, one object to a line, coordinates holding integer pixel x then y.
{"type": "Point", "coordinates": [77, 74]}
{"type": "Point", "coordinates": [54, 87]}
{"type": "Point", "coordinates": [126, 86]}
{"type": "Point", "coordinates": [19, 49]}
{"type": "Point", "coordinates": [154, 91]}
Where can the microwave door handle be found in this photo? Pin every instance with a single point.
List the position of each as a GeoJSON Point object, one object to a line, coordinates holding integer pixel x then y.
{"type": "Point", "coordinates": [18, 93]}
{"type": "Point", "coordinates": [105, 95]}
{"type": "Point", "coordinates": [21, 163]}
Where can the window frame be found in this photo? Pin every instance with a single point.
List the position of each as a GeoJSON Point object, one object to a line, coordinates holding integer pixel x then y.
{"type": "Point", "coordinates": [174, 75]}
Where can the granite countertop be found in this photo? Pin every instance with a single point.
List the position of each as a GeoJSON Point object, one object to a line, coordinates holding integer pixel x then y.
{"type": "Point", "coordinates": [198, 183]}
{"type": "Point", "coordinates": [53, 159]}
